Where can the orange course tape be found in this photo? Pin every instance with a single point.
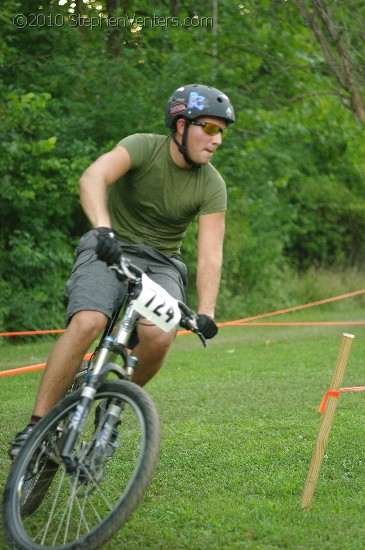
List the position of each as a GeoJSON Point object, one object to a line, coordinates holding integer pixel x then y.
{"type": "Point", "coordinates": [245, 320]}
{"type": "Point", "coordinates": [296, 308]}
{"type": "Point", "coordinates": [40, 366]}
{"type": "Point", "coordinates": [21, 370]}
{"type": "Point", "coordinates": [239, 322]}
{"type": "Point", "coordinates": [30, 332]}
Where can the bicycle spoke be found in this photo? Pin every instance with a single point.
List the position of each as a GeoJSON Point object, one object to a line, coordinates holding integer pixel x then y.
{"type": "Point", "coordinates": [83, 517]}
{"type": "Point", "coordinates": [70, 508]}
{"type": "Point", "coordinates": [54, 506]}
{"type": "Point", "coordinates": [63, 516]}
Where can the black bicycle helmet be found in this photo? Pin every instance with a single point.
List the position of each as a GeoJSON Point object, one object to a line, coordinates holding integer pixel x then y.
{"type": "Point", "coordinates": [193, 101]}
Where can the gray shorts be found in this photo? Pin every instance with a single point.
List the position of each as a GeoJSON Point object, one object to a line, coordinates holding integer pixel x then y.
{"type": "Point", "coordinates": [92, 286]}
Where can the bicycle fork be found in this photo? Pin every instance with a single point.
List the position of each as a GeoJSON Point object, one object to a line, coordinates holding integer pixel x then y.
{"type": "Point", "coordinates": [101, 368]}
{"type": "Point", "coordinates": [107, 433]}
{"type": "Point", "coordinates": [76, 425]}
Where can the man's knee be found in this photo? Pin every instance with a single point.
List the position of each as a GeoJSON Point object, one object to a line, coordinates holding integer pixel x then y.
{"type": "Point", "coordinates": [88, 324]}
{"type": "Point", "coordinates": [154, 339]}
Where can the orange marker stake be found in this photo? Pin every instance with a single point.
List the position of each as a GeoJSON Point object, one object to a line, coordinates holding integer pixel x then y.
{"type": "Point", "coordinates": [328, 406]}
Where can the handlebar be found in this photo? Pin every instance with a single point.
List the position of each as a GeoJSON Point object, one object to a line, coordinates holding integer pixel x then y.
{"type": "Point", "coordinates": [126, 270]}
{"type": "Point", "coordinates": [189, 321]}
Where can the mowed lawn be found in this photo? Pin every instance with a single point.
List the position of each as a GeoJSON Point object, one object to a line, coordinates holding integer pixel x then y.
{"type": "Point", "coordinates": [239, 423]}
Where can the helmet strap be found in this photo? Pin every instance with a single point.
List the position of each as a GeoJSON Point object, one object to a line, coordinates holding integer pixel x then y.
{"type": "Point", "coordinates": [182, 146]}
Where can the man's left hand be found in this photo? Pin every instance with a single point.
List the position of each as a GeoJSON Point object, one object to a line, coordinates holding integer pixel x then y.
{"type": "Point", "coordinates": [207, 326]}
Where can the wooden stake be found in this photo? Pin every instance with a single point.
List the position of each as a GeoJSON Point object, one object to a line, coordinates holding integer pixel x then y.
{"type": "Point", "coordinates": [326, 422]}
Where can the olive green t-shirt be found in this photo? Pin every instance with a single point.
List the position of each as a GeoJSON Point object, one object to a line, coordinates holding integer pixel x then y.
{"type": "Point", "coordinates": [154, 203]}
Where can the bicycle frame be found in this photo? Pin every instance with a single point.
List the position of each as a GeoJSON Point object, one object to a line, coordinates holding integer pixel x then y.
{"type": "Point", "coordinates": [118, 344]}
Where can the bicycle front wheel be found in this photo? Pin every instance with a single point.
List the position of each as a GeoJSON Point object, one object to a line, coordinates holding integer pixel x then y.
{"type": "Point", "coordinates": [86, 501]}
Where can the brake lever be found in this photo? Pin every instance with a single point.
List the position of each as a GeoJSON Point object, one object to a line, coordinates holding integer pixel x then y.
{"type": "Point", "coordinates": [126, 269]}
{"type": "Point", "coordinates": [191, 324]}
{"type": "Point", "coordinates": [202, 338]}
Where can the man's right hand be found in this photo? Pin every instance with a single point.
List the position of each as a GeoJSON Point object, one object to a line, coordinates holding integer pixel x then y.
{"type": "Point", "coordinates": [108, 249]}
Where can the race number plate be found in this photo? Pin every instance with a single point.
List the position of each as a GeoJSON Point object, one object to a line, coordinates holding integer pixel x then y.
{"type": "Point", "coordinates": [156, 305]}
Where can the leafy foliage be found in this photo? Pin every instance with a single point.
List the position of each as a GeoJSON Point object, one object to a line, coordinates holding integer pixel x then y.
{"type": "Point", "coordinates": [73, 84]}
{"type": "Point", "coordinates": [38, 209]}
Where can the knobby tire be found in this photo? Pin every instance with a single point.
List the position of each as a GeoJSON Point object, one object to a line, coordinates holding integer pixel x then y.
{"type": "Point", "coordinates": [85, 507]}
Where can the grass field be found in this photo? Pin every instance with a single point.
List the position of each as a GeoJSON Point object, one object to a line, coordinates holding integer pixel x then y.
{"type": "Point", "coordinates": [239, 422]}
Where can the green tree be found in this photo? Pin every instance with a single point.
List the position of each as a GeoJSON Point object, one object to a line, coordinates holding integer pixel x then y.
{"type": "Point", "coordinates": [293, 162]}
{"type": "Point", "coordinates": [342, 44]}
{"type": "Point", "coordinates": [38, 209]}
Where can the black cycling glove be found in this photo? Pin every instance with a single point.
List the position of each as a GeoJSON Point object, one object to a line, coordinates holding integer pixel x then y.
{"type": "Point", "coordinates": [207, 326]}
{"type": "Point", "coordinates": [108, 249]}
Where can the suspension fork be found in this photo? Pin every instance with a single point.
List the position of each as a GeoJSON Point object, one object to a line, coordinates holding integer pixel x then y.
{"type": "Point", "coordinates": [77, 422]}
{"type": "Point", "coordinates": [83, 407]}
{"type": "Point", "coordinates": [107, 346]}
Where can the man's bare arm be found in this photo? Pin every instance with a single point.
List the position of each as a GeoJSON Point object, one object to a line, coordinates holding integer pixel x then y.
{"type": "Point", "coordinates": [93, 184]}
{"type": "Point", "coordinates": [210, 257]}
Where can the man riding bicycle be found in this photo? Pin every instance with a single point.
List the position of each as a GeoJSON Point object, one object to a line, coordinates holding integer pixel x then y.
{"type": "Point", "coordinates": [142, 195]}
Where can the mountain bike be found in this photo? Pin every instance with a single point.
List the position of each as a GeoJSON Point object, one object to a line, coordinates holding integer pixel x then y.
{"type": "Point", "coordinates": [87, 464]}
